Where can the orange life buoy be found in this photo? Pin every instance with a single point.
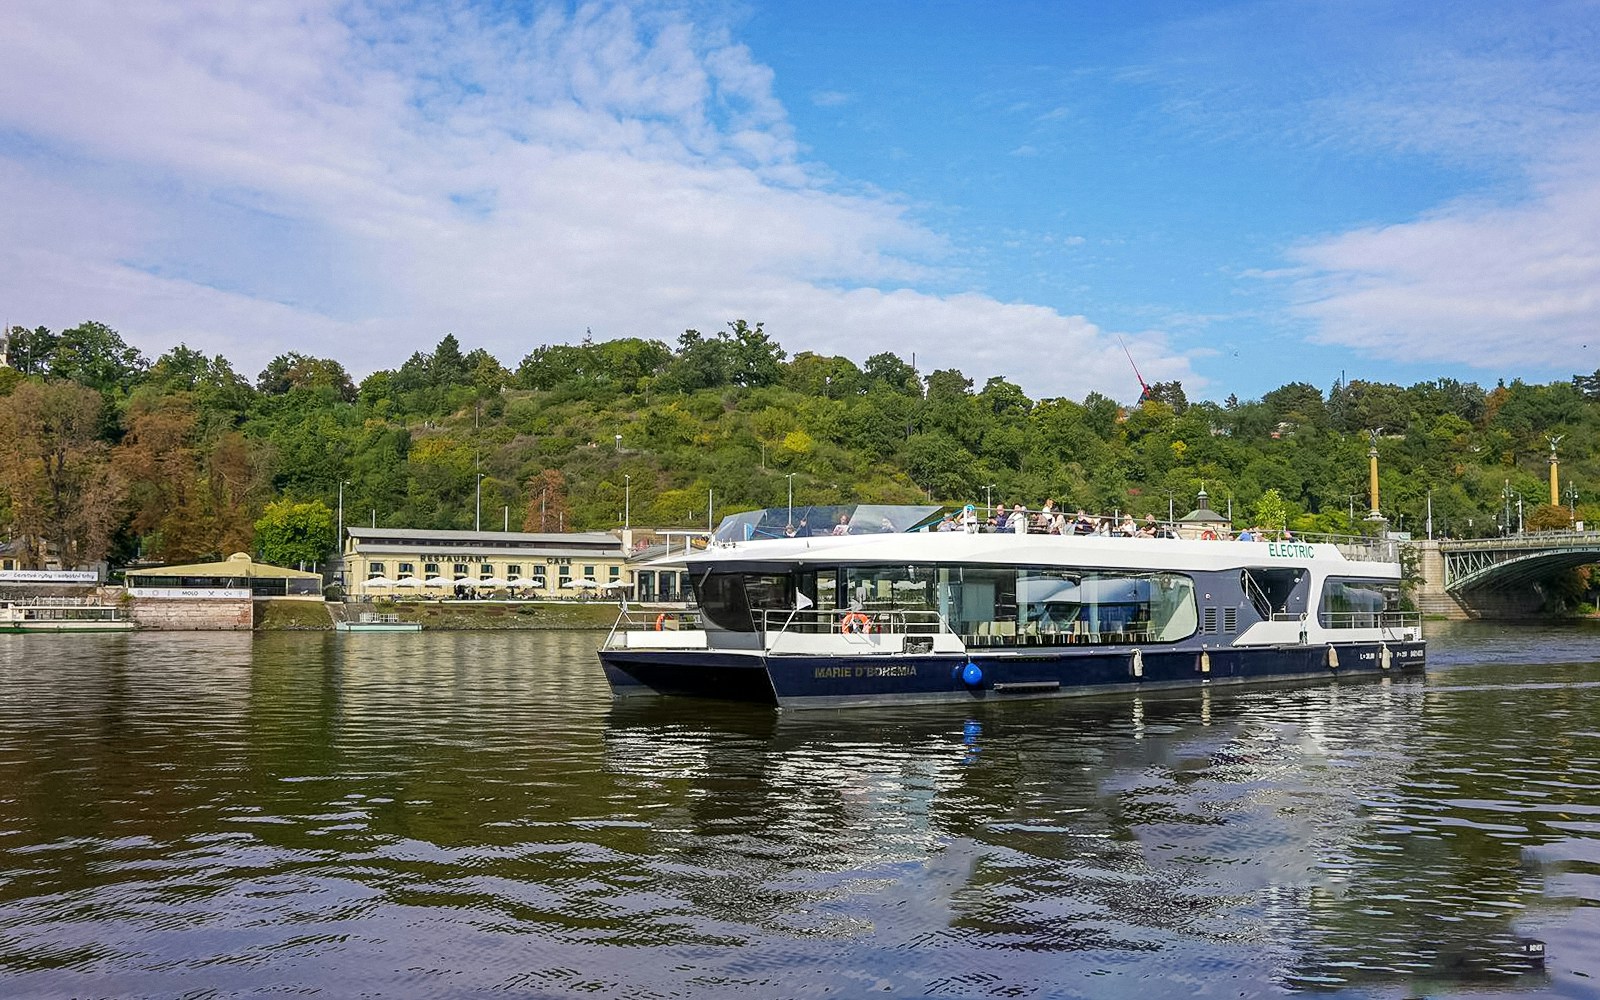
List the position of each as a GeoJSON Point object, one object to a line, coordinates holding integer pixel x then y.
{"type": "Point", "coordinates": [1208, 535]}
{"type": "Point", "coordinates": [855, 621]}
{"type": "Point", "coordinates": [661, 621]}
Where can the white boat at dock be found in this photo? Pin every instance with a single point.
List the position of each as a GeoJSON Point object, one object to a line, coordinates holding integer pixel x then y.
{"type": "Point", "coordinates": [63, 614]}
{"type": "Point", "coordinates": [375, 621]}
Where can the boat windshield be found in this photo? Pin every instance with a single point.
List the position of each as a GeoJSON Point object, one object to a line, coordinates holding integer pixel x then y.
{"type": "Point", "coordinates": [831, 519]}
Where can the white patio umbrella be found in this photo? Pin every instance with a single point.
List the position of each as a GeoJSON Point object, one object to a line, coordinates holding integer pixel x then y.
{"type": "Point", "coordinates": [377, 581]}
{"type": "Point", "coordinates": [408, 581]}
{"type": "Point", "coordinates": [569, 582]}
{"type": "Point", "coordinates": [519, 581]}
{"type": "Point", "coordinates": [587, 581]}
{"type": "Point", "coordinates": [492, 582]}
{"type": "Point", "coordinates": [438, 581]}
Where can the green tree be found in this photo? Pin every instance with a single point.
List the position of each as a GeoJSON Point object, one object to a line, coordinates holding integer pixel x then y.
{"type": "Point", "coordinates": [1272, 512]}
{"type": "Point", "coordinates": [293, 534]}
{"type": "Point", "coordinates": [95, 355]}
{"type": "Point", "coordinates": [888, 369]}
{"type": "Point", "coordinates": [31, 352]}
{"type": "Point", "coordinates": [294, 370]}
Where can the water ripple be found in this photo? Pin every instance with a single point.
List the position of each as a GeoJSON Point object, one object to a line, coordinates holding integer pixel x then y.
{"type": "Point", "coordinates": [469, 814]}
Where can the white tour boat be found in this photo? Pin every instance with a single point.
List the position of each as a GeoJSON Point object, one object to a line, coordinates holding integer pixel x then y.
{"type": "Point", "coordinates": [889, 611]}
{"type": "Point", "coordinates": [63, 614]}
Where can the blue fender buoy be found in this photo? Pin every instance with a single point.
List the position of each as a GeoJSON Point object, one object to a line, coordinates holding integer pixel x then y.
{"type": "Point", "coordinates": [971, 674]}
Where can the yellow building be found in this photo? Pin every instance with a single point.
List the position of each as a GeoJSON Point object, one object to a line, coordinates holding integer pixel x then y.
{"type": "Point", "coordinates": [392, 562]}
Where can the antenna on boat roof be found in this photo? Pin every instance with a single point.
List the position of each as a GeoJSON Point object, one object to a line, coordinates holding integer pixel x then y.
{"type": "Point", "coordinates": [1144, 387]}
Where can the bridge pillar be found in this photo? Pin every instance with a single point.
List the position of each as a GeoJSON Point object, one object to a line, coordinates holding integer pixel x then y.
{"type": "Point", "coordinates": [1431, 597]}
{"type": "Point", "coordinates": [1512, 604]}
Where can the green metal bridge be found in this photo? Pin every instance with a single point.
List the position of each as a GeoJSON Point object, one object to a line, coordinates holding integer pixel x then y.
{"type": "Point", "coordinates": [1495, 563]}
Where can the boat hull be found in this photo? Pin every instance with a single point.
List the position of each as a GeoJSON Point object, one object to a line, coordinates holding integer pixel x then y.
{"type": "Point", "coordinates": [67, 626]}
{"type": "Point", "coordinates": [698, 673]}
{"type": "Point", "coordinates": [848, 681]}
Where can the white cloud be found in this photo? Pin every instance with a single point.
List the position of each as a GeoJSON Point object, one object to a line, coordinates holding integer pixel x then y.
{"type": "Point", "coordinates": [1507, 279]}
{"type": "Point", "coordinates": [1492, 286]}
{"type": "Point", "coordinates": [357, 181]}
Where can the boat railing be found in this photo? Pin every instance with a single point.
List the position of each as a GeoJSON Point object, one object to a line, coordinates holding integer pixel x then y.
{"type": "Point", "coordinates": [1364, 548]}
{"type": "Point", "coordinates": [76, 611]}
{"type": "Point", "coordinates": [890, 621]}
{"type": "Point", "coordinates": [648, 620]}
{"type": "Point", "coordinates": [1387, 620]}
{"type": "Point", "coordinates": [379, 618]}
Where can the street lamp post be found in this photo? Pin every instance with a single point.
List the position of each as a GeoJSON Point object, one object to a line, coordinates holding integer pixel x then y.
{"type": "Point", "coordinates": [988, 500]}
{"type": "Point", "coordinates": [477, 510]}
{"type": "Point", "coordinates": [618, 439]}
{"type": "Point", "coordinates": [627, 502]}
{"type": "Point", "coordinates": [339, 540]}
{"type": "Point", "coordinates": [790, 476]}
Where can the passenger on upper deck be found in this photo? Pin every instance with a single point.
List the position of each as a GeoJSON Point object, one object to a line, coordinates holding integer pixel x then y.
{"type": "Point", "coordinates": [969, 519]}
{"type": "Point", "coordinates": [997, 520]}
{"type": "Point", "coordinates": [1045, 517]}
{"type": "Point", "coordinates": [843, 527]}
{"type": "Point", "coordinates": [1018, 524]}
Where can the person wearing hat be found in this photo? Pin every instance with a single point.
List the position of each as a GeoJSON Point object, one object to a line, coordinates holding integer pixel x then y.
{"type": "Point", "coordinates": [969, 519]}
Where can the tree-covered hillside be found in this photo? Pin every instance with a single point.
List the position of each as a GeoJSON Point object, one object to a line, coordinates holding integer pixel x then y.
{"type": "Point", "coordinates": [104, 453]}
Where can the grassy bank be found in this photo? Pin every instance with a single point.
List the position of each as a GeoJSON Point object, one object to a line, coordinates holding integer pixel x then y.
{"type": "Point", "coordinates": [520, 615]}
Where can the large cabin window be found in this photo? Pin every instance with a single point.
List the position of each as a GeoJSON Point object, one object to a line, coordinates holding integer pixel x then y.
{"type": "Point", "coordinates": [1352, 603]}
{"type": "Point", "coordinates": [736, 601]}
{"type": "Point", "coordinates": [1086, 606]}
{"type": "Point", "coordinates": [979, 600]}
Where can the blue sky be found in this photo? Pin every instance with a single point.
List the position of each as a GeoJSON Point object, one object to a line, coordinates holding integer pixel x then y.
{"type": "Point", "coordinates": [1247, 193]}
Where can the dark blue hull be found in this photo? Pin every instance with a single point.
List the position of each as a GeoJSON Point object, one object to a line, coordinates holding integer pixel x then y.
{"type": "Point", "coordinates": [829, 682]}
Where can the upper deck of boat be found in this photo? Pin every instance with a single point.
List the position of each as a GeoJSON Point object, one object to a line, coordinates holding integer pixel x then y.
{"type": "Point", "coordinates": [880, 540]}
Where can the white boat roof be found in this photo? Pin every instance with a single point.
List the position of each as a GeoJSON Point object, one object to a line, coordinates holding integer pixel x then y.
{"type": "Point", "coordinates": [1006, 549]}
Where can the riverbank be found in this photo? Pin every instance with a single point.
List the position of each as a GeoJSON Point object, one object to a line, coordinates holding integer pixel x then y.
{"type": "Point", "coordinates": [302, 616]}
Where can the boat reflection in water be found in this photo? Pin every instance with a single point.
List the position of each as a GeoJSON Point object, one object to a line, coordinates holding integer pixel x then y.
{"type": "Point", "coordinates": [1200, 831]}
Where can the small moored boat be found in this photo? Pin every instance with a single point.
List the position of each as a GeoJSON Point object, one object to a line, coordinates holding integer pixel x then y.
{"type": "Point", "coordinates": [374, 621]}
{"type": "Point", "coordinates": [63, 614]}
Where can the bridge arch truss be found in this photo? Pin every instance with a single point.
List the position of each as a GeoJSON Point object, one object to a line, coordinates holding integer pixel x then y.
{"type": "Point", "coordinates": [1515, 560]}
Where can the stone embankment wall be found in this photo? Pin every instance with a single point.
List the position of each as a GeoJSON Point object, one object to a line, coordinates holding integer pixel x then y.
{"type": "Point", "coordinates": [193, 615]}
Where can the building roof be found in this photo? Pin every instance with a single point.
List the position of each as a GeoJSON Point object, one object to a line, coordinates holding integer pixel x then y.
{"type": "Point", "coordinates": [1202, 513]}
{"type": "Point", "coordinates": [506, 543]}
{"type": "Point", "coordinates": [237, 565]}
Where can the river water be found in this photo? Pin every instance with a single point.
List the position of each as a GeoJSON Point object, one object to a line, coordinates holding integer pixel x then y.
{"type": "Point", "coordinates": [467, 814]}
